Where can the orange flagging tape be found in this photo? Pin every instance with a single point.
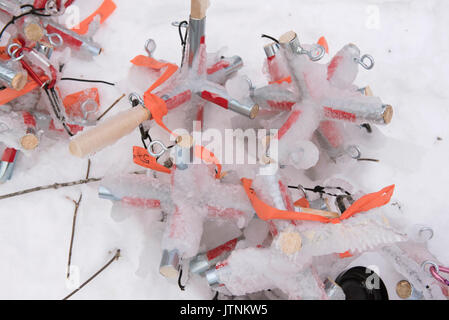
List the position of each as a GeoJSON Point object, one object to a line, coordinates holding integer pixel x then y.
{"type": "Point", "coordinates": [323, 42]}
{"type": "Point", "coordinates": [204, 154]}
{"type": "Point", "coordinates": [8, 94]}
{"type": "Point", "coordinates": [155, 104]}
{"type": "Point", "coordinates": [72, 102]}
{"type": "Point", "coordinates": [365, 203]}
{"type": "Point", "coordinates": [105, 10]}
{"type": "Point", "coordinates": [158, 107]}
{"type": "Point", "coordinates": [287, 79]}
{"type": "Point", "coordinates": [142, 158]}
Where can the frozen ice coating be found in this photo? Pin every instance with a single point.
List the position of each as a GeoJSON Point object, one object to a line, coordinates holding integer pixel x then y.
{"type": "Point", "coordinates": [233, 165]}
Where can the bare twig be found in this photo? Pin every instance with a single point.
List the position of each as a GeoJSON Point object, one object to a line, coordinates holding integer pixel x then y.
{"type": "Point", "coordinates": [110, 108]}
{"type": "Point", "coordinates": [115, 257]}
{"type": "Point", "coordinates": [52, 186]}
{"type": "Point", "coordinates": [75, 213]}
{"type": "Point", "coordinates": [88, 169]}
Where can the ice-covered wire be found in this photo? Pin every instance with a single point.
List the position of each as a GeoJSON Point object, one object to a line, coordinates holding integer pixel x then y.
{"type": "Point", "coordinates": [320, 190]}
{"type": "Point", "coordinates": [183, 39]}
{"type": "Point", "coordinates": [13, 20]}
{"type": "Point", "coordinates": [55, 104]}
{"type": "Point", "coordinates": [182, 287]}
{"type": "Point", "coordinates": [270, 37]}
{"type": "Point", "coordinates": [87, 80]}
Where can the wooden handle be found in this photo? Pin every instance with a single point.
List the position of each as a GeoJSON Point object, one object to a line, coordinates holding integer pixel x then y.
{"type": "Point", "coordinates": [108, 131]}
{"type": "Point", "coordinates": [198, 8]}
{"type": "Point", "coordinates": [327, 214]}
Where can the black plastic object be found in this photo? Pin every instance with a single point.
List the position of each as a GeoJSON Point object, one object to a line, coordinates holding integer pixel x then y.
{"type": "Point", "coordinates": [361, 283]}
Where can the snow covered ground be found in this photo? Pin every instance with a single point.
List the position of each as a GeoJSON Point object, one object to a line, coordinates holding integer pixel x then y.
{"type": "Point", "coordinates": [409, 40]}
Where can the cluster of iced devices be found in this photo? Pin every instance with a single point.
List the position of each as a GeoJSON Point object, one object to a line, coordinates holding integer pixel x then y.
{"type": "Point", "coordinates": [30, 70]}
{"type": "Point", "coordinates": [323, 119]}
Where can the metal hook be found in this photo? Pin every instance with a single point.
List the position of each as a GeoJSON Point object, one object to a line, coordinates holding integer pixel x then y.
{"type": "Point", "coordinates": [425, 229]}
{"type": "Point", "coordinates": [150, 46]}
{"type": "Point", "coordinates": [160, 144]}
{"type": "Point", "coordinates": [432, 264]}
{"type": "Point", "coordinates": [300, 187]}
{"type": "Point", "coordinates": [316, 53]}
{"type": "Point", "coordinates": [354, 152]}
{"type": "Point", "coordinates": [134, 96]}
{"type": "Point", "coordinates": [54, 43]}
{"type": "Point", "coordinates": [362, 62]}
{"type": "Point", "coordinates": [12, 54]}
{"type": "Point", "coordinates": [52, 8]}
{"type": "Point", "coordinates": [84, 108]}
{"type": "Point", "coordinates": [177, 24]}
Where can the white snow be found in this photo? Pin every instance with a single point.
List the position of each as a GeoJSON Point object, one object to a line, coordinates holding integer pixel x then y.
{"type": "Point", "coordinates": [409, 42]}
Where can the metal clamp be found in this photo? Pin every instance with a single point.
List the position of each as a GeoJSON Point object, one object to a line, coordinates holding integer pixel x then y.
{"type": "Point", "coordinates": [362, 62]}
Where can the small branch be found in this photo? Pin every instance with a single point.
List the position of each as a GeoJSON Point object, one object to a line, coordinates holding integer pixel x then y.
{"type": "Point", "coordinates": [116, 257]}
{"type": "Point", "coordinates": [52, 186]}
{"type": "Point", "coordinates": [88, 169]}
{"type": "Point", "coordinates": [110, 108]}
{"type": "Point", "coordinates": [75, 213]}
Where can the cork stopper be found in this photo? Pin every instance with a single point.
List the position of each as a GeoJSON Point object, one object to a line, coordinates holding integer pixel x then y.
{"type": "Point", "coordinates": [254, 111]}
{"type": "Point", "coordinates": [290, 242]}
{"type": "Point", "coordinates": [404, 289]}
{"type": "Point", "coordinates": [19, 81]}
{"type": "Point", "coordinates": [185, 141]}
{"type": "Point", "coordinates": [169, 271]}
{"type": "Point", "coordinates": [287, 37]}
{"type": "Point", "coordinates": [388, 114]}
{"type": "Point", "coordinates": [198, 9]}
{"type": "Point", "coordinates": [29, 141]}
{"type": "Point", "coordinates": [33, 32]}
{"type": "Point", "coordinates": [368, 91]}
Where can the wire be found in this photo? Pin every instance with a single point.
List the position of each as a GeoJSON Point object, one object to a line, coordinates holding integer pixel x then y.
{"type": "Point", "coordinates": [270, 37]}
{"type": "Point", "coordinates": [183, 288]}
{"type": "Point", "coordinates": [86, 80]}
{"type": "Point", "coordinates": [183, 39]}
{"type": "Point", "coordinates": [320, 189]}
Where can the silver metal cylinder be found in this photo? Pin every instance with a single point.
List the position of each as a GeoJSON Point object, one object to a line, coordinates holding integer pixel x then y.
{"type": "Point", "coordinates": [212, 277]}
{"type": "Point", "coordinates": [105, 193]}
{"type": "Point", "coordinates": [12, 76]}
{"type": "Point", "coordinates": [250, 110]}
{"type": "Point", "coordinates": [85, 44]}
{"type": "Point", "coordinates": [199, 264]}
{"type": "Point", "coordinates": [197, 29]}
{"type": "Point", "coordinates": [169, 266]}
{"type": "Point", "coordinates": [235, 63]}
{"type": "Point", "coordinates": [271, 49]}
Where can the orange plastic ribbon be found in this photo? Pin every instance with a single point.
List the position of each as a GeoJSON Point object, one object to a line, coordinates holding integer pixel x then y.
{"type": "Point", "coordinates": [142, 157]}
{"type": "Point", "coordinates": [365, 203]}
{"type": "Point", "coordinates": [155, 104]}
{"type": "Point", "coordinates": [158, 107]}
{"type": "Point", "coordinates": [105, 10]}
{"type": "Point", "coordinates": [207, 156]}
{"type": "Point", "coordinates": [72, 102]}
{"type": "Point", "coordinates": [8, 94]}
{"type": "Point", "coordinates": [323, 42]}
